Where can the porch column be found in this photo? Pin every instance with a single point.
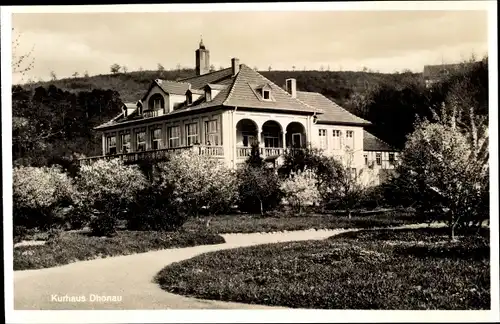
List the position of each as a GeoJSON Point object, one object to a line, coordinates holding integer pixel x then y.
{"type": "Point", "coordinates": [103, 143]}
{"type": "Point", "coordinates": [283, 134]}
{"type": "Point", "coordinates": [259, 140]}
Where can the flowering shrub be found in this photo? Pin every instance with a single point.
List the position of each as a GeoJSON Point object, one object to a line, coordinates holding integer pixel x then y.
{"type": "Point", "coordinates": [197, 182]}
{"type": "Point", "coordinates": [446, 174]}
{"type": "Point", "coordinates": [300, 189]}
{"type": "Point", "coordinates": [106, 190]}
{"type": "Point", "coordinates": [39, 195]}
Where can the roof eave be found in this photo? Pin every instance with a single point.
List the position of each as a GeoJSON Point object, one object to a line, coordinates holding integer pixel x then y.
{"type": "Point", "coordinates": [158, 118]}
{"type": "Point", "coordinates": [330, 122]}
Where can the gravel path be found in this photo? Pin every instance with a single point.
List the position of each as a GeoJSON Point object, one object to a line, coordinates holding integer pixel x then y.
{"type": "Point", "coordinates": [130, 277]}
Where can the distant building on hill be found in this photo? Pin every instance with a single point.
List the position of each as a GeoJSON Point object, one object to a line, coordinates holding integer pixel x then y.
{"type": "Point", "coordinates": [437, 73]}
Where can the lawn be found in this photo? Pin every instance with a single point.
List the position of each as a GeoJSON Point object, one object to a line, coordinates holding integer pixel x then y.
{"type": "Point", "coordinates": [78, 246]}
{"type": "Point", "coordinates": [379, 269]}
{"type": "Point", "coordinates": [245, 223]}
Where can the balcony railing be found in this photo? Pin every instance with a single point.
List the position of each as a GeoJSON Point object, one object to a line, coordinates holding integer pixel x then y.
{"type": "Point", "coordinates": [243, 152]}
{"type": "Point", "coordinates": [157, 155]}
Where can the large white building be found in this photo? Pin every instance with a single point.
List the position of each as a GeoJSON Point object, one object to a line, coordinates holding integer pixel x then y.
{"type": "Point", "coordinates": [222, 113]}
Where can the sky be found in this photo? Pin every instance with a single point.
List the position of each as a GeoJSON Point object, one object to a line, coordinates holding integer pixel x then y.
{"type": "Point", "coordinates": [384, 41]}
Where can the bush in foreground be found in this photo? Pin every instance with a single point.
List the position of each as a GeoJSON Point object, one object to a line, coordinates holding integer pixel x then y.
{"type": "Point", "coordinates": [197, 181]}
{"type": "Point", "coordinates": [40, 196]}
{"type": "Point", "coordinates": [71, 247]}
{"type": "Point", "coordinates": [107, 188]}
{"type": "Point", "coordinates": [341, 273]}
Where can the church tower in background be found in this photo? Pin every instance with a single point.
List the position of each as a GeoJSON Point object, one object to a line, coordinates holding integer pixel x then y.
{"type": "Point", "coordinates": [202, 59]}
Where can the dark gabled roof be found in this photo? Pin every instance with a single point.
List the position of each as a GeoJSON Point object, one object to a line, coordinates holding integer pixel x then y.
{"type": "Point", "coordinates": [330, 111]}
{"type": "Point", "coordinates": [235, 91]}
{"type": "Point", "coordinates": [242, 94]}
{"type": "Point", "coordinates": [218, 77]}
{"type": "Point", "coordinates": [373, 143]}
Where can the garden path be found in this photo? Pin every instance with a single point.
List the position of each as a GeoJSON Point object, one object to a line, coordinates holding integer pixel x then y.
{"type": "Point", "coordinates": [131, 277]}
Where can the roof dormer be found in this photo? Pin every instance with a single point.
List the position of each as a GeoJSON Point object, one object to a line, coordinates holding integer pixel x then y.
{"type": "Point", "coordinates": [212, 90]}
{"type": "Point", "coordinates": [265, 92]}
{"type": "Point", "coordinates": [192, 95]}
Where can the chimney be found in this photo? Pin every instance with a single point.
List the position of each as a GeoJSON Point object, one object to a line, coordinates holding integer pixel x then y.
{"type": "Point", "coordinates": [291, 87]}
{"type": "Point", "coordinates": [235, 65]}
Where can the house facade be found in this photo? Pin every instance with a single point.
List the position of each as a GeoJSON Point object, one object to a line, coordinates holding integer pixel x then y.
{"type": "Point", "coordinates": [222, 113]}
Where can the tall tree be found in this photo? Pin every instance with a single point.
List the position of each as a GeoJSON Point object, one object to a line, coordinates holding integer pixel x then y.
{"type": "Point", "coordinates": [115, 68]}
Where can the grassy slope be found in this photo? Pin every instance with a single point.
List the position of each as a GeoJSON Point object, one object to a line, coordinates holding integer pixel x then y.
{"type": "Point", "coordinates": [256, 223]}
{"type": "Point", "coordinates": [73, 246]}
{"type": "Point", "coordinates": [405, 269]}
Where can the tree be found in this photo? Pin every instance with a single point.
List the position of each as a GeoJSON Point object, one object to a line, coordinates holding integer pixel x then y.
{"type": "Point", "coordinates": [212, 68]}
{"type": "Point", "coordinates": [198, 182]}
{"type": "Point", "coordinates": [446, 171]}
{"type": "Point", "coordinates": [115, 68]}
{"type": "Point", "coordinates": [160, 68]}
{"type": "Point", "coordinates": [107, 188]}
{"type": "Point", "coordinates": [259, 189]}
{"type": "Point", "coordinates": [53, 76]}
{"type": "Point", "coordinates": [300, 189]}
{"type": "Point", "coordinates": [124, 69]}
{"type": "Point", "coordinates": [39, 195]}
{"type": "Point", "coordinates": [255, 160]}
{"type": "Point", "coordinates": [75, 75]}
{"type": "Point", "coordinates": [86, 74]}
{"type": "Point", "coordinates": [21, 63]}
{"type": "Point", "coordinates": [342, 188]}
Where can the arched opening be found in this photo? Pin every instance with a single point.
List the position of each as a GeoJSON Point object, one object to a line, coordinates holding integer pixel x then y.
{"type": "Point", "coordinates": [156, 102]}
{"type": "Point", "coordinates": [296, 135]}
{"type": "Point", "coordinates": [272, 134]}
{"type": "Point", "coordinates": [246, 135]}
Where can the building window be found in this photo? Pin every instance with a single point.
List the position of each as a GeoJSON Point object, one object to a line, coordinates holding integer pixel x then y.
{"type": "Point", "coordinates": [192, 134]}
{"type": "Point", "coordinates": [336, 139]}
{"type": "Point", "coordinates": [156, 102]}
{"type": "Point", "coordinates": [141, 140]}
{"type": "Point", "coordinates": [248, 139]}
{"type": "Point", "coordinates": [378, 158]}
{"type": "Point", "coordinates": [174, 136]}
{"type": "Point", "coordinates": [111, 144]}
{"type": "Point", "coordinates": [212, 132]}
{"type": "Point", "coordinates": [271, 140]}
{"type": "Point", "coordinates": [349, 139]}
{"type": "Point", "coordinates": [391, 158]}
{"type": "Point", "coordinates": [208, 95]}
{"type": "Point", "coordinates": [366, 159]}
{"type": "Point", "coordinates": [266, 94]}
{"type": "Point", "coordinates": [156, 138]}
{"type": "Point", "coordinates": [189, 98]}
{"type": "Point", "coordinates": [322, 139]}
{"type": "Point", "coordinates": [125, 139]}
